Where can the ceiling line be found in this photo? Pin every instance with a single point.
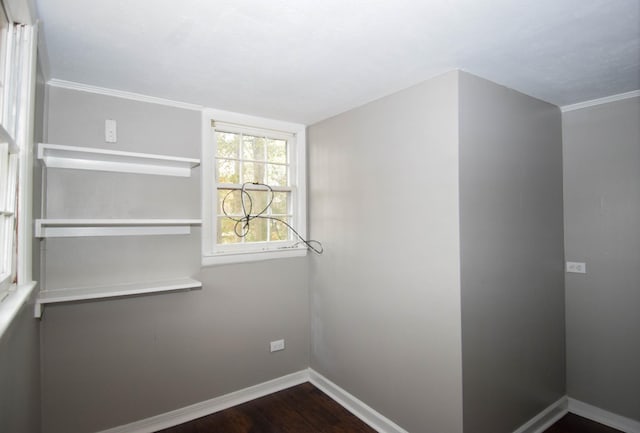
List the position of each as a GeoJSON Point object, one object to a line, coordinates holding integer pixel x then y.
{"type": "Point", "coordinates": [599, 101]}
{"type": "Point", "coordinates": [71, 85]}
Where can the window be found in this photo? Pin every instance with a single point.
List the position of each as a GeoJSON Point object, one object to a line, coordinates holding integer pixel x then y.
{"type": "Point", "coordinates": [253, 188]}
{"type": "Point", "coordinates": [17, 73]}
{"type": "Point", "coordinates": [8, 168]}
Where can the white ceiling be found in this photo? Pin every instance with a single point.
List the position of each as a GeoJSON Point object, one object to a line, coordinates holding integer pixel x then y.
{"type": "Point", "coordinates": [306, 60]}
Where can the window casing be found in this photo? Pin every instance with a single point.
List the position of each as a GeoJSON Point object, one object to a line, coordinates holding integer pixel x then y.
{"type": "Point", "coordinates": [17, 84]}
{"type": "Point", "coordinates": [239, 152]}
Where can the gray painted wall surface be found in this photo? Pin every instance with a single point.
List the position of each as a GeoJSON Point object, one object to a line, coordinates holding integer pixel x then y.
{"type": "Point", "coordinates": [385, 296]}
{"type": "Point", "coordinates": [512, 256]}
{"type": "Point", "coordinates": [602, 220]}
{"type": "Point", "coordinates": [20, 374]}
{"type": "Point", "coordinates": [113, 362]}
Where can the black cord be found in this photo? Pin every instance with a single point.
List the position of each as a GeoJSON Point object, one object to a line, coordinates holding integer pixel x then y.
{"type": "Point", "coordinates": [243, 224]}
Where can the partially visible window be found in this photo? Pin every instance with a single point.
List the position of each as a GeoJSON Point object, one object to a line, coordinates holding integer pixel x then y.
{"type": "Point", "coordinates": [8, 208]}
{"type": "Point", "coordinates": [16, 67]}
{"type": "Point", "coordinates": [253, 172]}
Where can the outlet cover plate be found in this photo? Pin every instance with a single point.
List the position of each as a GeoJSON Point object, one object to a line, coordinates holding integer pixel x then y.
{"type": "Point", "coordinates": [277, 345]}
{"type": "Point", "coordinates": [576, 267]}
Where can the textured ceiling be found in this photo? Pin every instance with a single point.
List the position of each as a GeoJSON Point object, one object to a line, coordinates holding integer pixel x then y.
{"type": "Point", "coordinates": [306, 60]}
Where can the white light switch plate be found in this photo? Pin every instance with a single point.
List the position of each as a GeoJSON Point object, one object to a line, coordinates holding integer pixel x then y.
{"type": "Point", "coordinates": [110, 131]}
{"type": "Point", "coordinates": [577, 267]}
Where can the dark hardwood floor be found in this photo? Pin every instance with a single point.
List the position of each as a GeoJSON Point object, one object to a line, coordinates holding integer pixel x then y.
{"type": "Point", "coordinates": [306, 409]}
{"type": "Point", "coordinates": [571, 423]}
{"type": "Point", "coordinates": [300, 409]}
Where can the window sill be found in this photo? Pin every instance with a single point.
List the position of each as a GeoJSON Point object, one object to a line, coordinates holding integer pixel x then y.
{"type": "Point", "coordinates": [255, 256]}
{"type": "Point", "coordinates": [11, 305]}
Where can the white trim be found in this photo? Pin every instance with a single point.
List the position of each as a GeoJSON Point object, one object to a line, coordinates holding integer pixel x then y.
{"type": "Point", "coordinates": [599, 101]}
{"type": "Point", "coordinates": [602, 416]}
{"type": "Point", "coordinates": [71, 85]}
{"type": "Point", "coordinates": [25, 140]}
{"type": "Point", "coordinates": [11, 305]}
{"type": "Point", "coordinates": [354, 405]}
{"type": "Point", "coordinates": [546, 418]}
{"type": "Point", "coordinates": [189, 413]}
{"type": "Point", "coordinates": [245, 256]}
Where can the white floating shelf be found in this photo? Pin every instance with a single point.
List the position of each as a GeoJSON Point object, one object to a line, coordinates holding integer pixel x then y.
{"type": "Point", "coordinates": [60, 228]}
{"type": "Point", "coordinates": [102, 292]}
{"type": "Point", "coordinates": [86, 158]}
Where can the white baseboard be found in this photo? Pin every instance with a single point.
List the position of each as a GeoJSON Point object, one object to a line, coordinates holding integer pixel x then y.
{"type": "Point", "coordinates": [367, 414]}
{"type": "Point", "coordinates": [602, 416]}
{"type": "Point", "coordinates": [179, 416]}
{"type": "Point", "coordinates": [189, 413]}
{"type": "Point", "coordinates": [370, 416]}
{"type": "Point", "coordinates": [546, 418]}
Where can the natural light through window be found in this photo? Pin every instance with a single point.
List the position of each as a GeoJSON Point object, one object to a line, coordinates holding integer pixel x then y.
{"type": "Point", "coordinates": [253, 188]}
{"type": "Point", "coordinates": [251, 159]}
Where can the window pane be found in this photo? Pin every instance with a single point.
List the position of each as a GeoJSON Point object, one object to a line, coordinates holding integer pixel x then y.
{"type": "Point", "coordinates": [277, 151]}
{"type": "Point", "coordinates": [279, 231]}
{"type": "Point", "coordinates": [226, 233]}
{"type": "Point", "coordinates": [228, 144]}
{"type": "Point", "coordinates": [257, 230]}
{"type": "Point", "coordinates": [258, 201]}
{"type": "Point", "coordinates": [277, 175]}
{"type": "Point", "coordinates": [253, 147]}
{"type": "Point", "coordinates": [252, 172]}
{"type": "Point", "coordinates": [280, 203]}
{"type": "Point", "coordinates": [231, 199]}
{"type": "Point", "coordinates": [228, 171]}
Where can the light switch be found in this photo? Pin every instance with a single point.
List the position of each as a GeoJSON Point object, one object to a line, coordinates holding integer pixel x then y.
{"type": "Point", "coordinates": [110, 132]}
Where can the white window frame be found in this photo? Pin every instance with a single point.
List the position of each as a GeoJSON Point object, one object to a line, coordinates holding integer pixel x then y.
{"type": "Point", "coordinates": [214, 254]}
{"type": "Point", "coordinates": [17, 122]}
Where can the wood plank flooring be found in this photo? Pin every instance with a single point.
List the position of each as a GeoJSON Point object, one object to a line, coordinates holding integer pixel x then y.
{"type": "Point", "coordinates": [306, 409]}
{"type": "Point", "coordinates": [571, 423]}
{"type": "Point", "coordinates": [300, 409]}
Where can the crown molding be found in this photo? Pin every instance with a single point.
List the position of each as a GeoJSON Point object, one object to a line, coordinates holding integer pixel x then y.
{"type": "Point", "coordinates": [599, 101]}
{"type": "Point", "coordinates": [71, 85]}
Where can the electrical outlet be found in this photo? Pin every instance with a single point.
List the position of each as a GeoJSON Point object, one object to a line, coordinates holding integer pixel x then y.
{"type": "Point", "coordinates": [277, 345]}
{"type": "Point", "coordinates": [110, 131]}
{"type": "Point", "coordinates": [577, 267]}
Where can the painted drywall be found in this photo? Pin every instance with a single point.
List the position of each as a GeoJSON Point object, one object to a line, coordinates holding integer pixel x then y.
{"type": "Point", "coordinates": [109, 363]}
{"type": "Point", "coordinates": [20, 374]}
{"type": "Point", "coordinates": [20, 346]}
{"type": "Point", "coordinates": [512, 256]}
{"type": "Point", "coordinates": [385, 296]}
{"type": "Point", "coordinates": [602, 215]}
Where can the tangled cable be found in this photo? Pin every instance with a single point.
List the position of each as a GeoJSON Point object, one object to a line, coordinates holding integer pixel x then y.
{"type": "Point", "coordinates": [243, 224]}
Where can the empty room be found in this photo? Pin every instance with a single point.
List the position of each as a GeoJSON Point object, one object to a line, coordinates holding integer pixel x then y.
{"type": "Point", "coordinates": [240, 216]}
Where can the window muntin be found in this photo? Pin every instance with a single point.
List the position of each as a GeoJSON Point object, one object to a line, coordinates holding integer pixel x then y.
{"type": "Point", "coordinates": [249, 157]}
{"type": "Point", "coordinates": [234, 156]}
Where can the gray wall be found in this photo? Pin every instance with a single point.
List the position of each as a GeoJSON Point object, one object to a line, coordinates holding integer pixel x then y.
{"type": "Point", "coordinates": [602, 214]}
{"type": "Point", "coordinates": [385, 296]}
{"type": "Point", "coordinates": [112, 362]}
{"type": "Point", "coordinates": [512, 256]}
{"type": "Point", "coordinates": [20, 374]}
